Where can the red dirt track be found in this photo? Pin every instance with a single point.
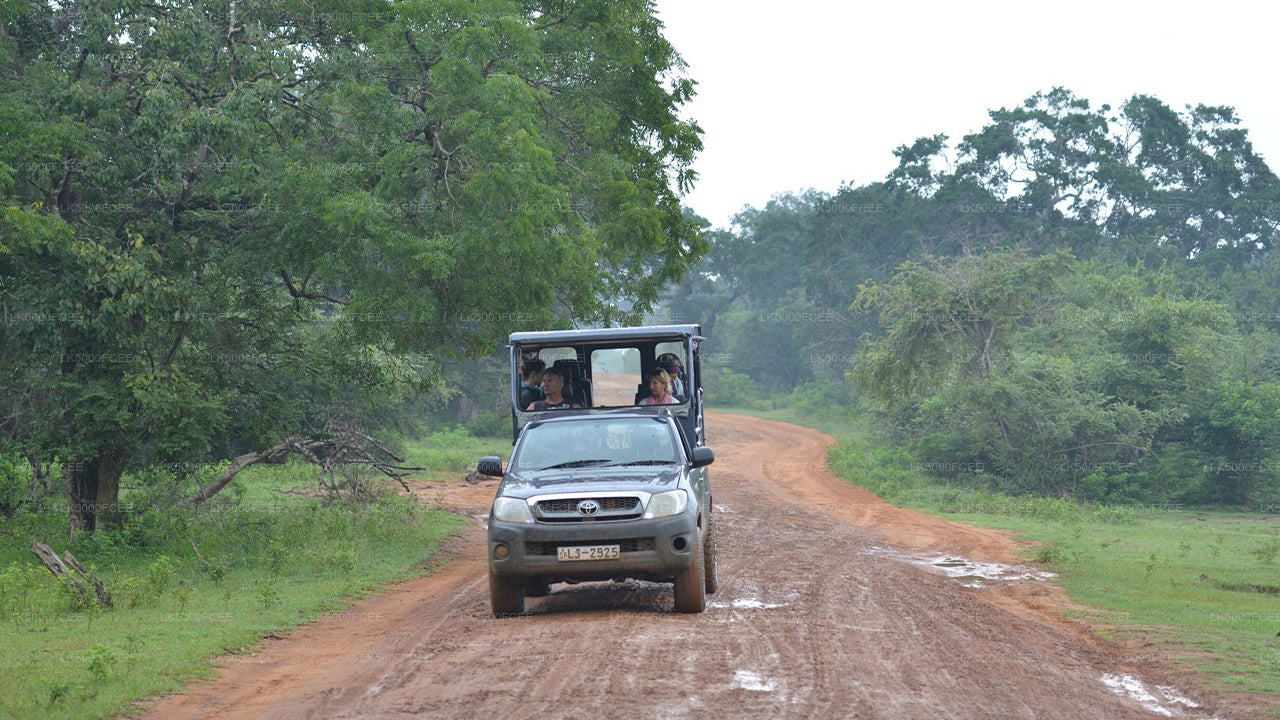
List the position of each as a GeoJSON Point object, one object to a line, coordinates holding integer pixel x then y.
{"type": "Point", "coordinates": [817, 617]}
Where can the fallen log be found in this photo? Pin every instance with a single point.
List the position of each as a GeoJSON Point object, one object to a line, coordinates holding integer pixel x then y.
{"type": "Point", "coordinates": [73, 574]}
{"type": "Point", "coordinates": [104, 597]}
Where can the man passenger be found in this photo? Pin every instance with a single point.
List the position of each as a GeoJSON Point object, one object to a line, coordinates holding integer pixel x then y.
{"type": "Point", "coordinates": [553, 388]}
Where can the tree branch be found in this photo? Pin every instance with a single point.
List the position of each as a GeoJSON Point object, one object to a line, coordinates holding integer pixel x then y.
{"type": "Point", "coordinates": [301, 292]}
{"type": "Point", "coordinates": [338, 448]}
{"type": "Point", "coordinates": [229, 474]}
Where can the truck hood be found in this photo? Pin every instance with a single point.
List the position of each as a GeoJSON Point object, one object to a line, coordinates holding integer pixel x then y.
{"type": "Point", "coordinates": [643, 478]}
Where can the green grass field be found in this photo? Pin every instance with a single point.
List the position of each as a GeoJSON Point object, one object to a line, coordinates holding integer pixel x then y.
{"type": "Point", "coordinates": [272, 554]}
{"type": "Point", "coordinates": [454, 451]}
{"type": "Point", "coordinates": [1203, 586]}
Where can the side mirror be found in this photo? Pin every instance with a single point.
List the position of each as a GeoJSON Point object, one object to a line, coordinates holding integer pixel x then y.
{"type": "Point", "coordinates": [490, 465]}
{"type": "Point", "coordinates": [702, 456]}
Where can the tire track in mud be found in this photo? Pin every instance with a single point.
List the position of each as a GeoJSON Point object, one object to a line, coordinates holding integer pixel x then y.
{"type": "Point", "coordinates": [813, 619]}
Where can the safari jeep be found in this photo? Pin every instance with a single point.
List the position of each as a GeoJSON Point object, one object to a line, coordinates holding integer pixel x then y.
{"type": "Point", "coordinates": [607, 488]}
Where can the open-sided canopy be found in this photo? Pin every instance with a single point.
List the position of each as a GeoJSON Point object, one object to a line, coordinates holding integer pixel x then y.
{"type": "Point", "coordinates": [643, 344]}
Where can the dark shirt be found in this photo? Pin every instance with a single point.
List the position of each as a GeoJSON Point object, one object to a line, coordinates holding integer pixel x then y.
{"type": "Point", "coordinates": [564, 404]}
{"type": "Point", "coordinates": [529, 394]}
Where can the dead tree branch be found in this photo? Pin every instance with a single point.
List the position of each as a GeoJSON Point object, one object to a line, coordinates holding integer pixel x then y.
{"type": "Point", "coordinates": [77, 579]}
{"type": "Point", "coordinates": [339, 449]}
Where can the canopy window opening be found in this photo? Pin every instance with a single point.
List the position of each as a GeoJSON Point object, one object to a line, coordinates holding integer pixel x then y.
{"type": "Point", "coordinates": [615, 373]}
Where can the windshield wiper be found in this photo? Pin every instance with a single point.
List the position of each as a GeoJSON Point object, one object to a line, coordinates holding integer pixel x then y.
{"type": "Point", "coordinates": [576, 463]}
{"type": "Point", "coordinates": [646, 462]}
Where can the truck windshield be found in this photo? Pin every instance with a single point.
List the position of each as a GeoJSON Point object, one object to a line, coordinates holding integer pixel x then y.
{"type": "Point", "coordinates": [596, 442]}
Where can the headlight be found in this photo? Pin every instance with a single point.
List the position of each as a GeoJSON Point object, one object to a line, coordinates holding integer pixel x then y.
{"type": "Point", "coordinates": [667, 503]}
{"type": "Point", "coordinates": [514, 510]}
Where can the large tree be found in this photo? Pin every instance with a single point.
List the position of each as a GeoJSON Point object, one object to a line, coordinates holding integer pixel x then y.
{"type": "Point", "coordinates": [221, 221]}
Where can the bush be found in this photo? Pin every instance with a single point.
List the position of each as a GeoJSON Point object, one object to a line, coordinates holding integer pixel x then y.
{"type": "Point", "coordinates": [726, 388]}
{"type": "Point", "coordinates": [29, 593]}
{"type": "Point", "coordinates": [824, 399]}
{"type": "Point", "coordinates": [147, 589]}
{"type": "Point", "coordinates": [15, 481]}
{"type": "Point", "coordinates": [489, 424]}
{"type": "Point", "coordinates": [449, 449]}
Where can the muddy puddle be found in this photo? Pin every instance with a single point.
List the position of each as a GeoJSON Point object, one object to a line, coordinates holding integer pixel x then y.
{"type": "Point", "coordinates": [748, 680]}
{"type": "Point", "coordinates": [970, 573]}
{"type": "Point", "coordinates": [1162, 700]}
{"type": "Point", "coordinates": [745, 604]}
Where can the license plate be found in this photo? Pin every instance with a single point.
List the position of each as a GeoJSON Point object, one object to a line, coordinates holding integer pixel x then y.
{"type": "Point", "coordinates": [588, 552]}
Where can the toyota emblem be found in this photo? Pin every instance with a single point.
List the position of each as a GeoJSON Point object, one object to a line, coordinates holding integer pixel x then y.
{"type": "Point", "coordinates": [588, 507]}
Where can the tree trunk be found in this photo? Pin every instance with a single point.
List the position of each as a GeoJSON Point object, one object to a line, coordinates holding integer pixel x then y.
{"type": "Point", "coordinates": [82, 495]}
{"type": "Point", "coordinates": [110, 468]}
{"type": "Point", "coordinates": [93, 492]}
{"type": "Point", "coordinates": [41, 484]}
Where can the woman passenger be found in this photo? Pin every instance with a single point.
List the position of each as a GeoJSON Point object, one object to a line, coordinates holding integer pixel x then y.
{"type": "Point", "coordinates": [659, 384]}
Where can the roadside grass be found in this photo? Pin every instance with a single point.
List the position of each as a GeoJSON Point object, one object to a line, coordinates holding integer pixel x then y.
{"type": "Point", "coordinates": [834, 421]}
{"type": "Point", "coordinates": [1202, 585]}
{"type": "Point", "coordinates": [454, 451]}
{"type": "Point", "coordinates": [255, 560]}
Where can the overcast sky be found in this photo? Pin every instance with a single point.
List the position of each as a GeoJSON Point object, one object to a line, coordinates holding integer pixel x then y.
{"type": "Point", "coordinates": [802, 93]}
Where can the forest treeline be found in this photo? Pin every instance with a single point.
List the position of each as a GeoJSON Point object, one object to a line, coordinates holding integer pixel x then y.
{"type": "Point", "coordinates": [1072, 301]}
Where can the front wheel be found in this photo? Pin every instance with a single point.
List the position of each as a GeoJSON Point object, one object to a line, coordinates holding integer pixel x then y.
{"type": "Point", "coordinates": [709, 556]}
{"type": "Point", "coordinates": [690, 589]}
{"type": "Point", "coordinates": [506, 597]}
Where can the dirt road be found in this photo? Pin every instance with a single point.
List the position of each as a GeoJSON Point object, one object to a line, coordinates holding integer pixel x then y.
{"type": "Point", "coordinates": [829, 607]}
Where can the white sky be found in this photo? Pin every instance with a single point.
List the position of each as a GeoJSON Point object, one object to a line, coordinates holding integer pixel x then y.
{"type": "Point", "coordinates": [806, 93]}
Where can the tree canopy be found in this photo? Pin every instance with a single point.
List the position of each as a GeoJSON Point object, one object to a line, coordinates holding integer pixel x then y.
{"type": "Point", "coordinates": [221, 223]}
{"type": "Point", "coordinates": [1076, 299]}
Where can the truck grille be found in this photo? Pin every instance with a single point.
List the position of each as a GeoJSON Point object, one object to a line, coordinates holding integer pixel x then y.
{"type": "Point", "coordinates": [608, 507]}
{"type": "Point", "coordinates": [607, 504]}
{"type": "Point", "coordinates": [628, 545]}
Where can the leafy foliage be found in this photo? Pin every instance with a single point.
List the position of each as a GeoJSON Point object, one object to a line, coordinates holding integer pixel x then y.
{"type": "Point", "coordinates": [1072, 301]}
{"type": "Point", "coordinates": [217, 227]}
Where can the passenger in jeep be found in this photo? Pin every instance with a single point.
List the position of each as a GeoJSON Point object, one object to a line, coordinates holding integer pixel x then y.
{"type": "Point", "coordinates": [530, 381]}
{"type": "Point", "coordinates": [553, 387]}
{"type": "Point", "coordinates": [659, 382]}
{"type": "Point", "coordinates": [671, 363]}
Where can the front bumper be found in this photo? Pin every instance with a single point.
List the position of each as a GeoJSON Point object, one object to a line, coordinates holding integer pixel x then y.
{"type": "Point", "coordinates": [531, 556]}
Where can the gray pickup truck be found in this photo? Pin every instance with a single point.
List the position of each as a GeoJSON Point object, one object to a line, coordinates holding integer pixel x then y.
{"type": "Point", "coordinates": [610, 487]}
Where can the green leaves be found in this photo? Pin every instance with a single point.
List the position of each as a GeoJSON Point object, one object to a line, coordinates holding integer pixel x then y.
{"type": "Point", "coordinates": [942, 316]}
{"type": "Point", "coordinates": [256, 220]}
{"type": "Point", "coordinates": [1059, 377]}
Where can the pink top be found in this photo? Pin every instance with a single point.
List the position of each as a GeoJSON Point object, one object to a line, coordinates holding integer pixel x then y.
{"type": "Point", "coordinates": [666, 400]}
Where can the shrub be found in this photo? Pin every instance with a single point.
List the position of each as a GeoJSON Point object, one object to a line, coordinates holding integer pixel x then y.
{"type": "Point", "coordinates": [146, 589]}
{"type": "Point", "coordinates": [29, 593]}
{"type": "Point", "coordinates": [448, 449]}
{"type": "Point", "coordinates": [15, 482]}
{"type": "Point", "coordinates": [1267, 551]}
{"type": "Point", "coordinates": [489, 424]}
{"type": "Point", "coordinates": [1050, 553]}
{"type": "Point", "coordinates": [726, 388]}
{"type": "Point", "coordinates": [825, 399]}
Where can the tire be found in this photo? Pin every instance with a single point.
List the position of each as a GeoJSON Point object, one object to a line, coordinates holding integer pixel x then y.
{"type": "Point", "coordinates": [709, 556]}
{"type": "Point", "coordinates": [691, 587]}
{"type": "Point", "coordinates": [506, 597]}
